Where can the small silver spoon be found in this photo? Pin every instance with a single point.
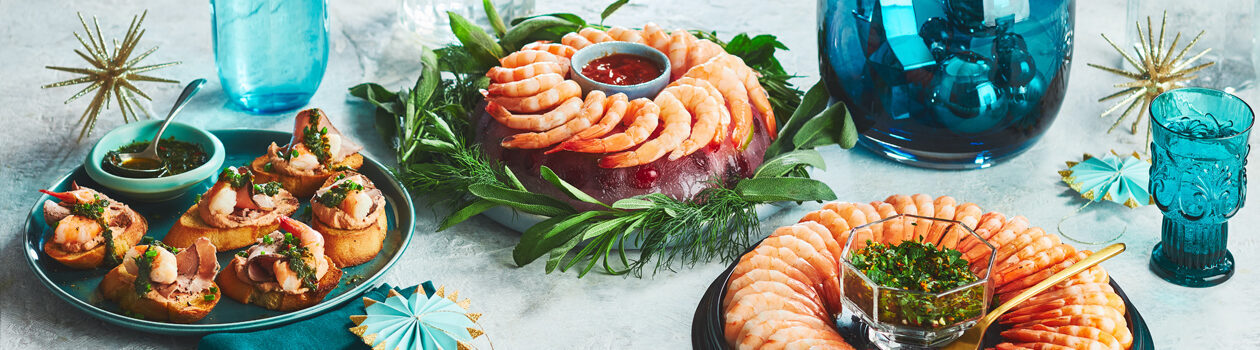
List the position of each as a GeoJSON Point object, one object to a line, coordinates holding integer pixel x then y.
{"type": "Point", "coordinates": [148, 163]}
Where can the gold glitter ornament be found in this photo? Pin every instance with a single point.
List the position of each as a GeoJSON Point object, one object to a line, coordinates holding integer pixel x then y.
{"type": "Point", "coordinates": [112, 73]}
{"type": "Point", "coordinates": [1157, 70]}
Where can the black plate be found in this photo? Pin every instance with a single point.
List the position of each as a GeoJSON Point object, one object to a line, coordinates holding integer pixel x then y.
{"type": "Point", "coordinates": [706, 326]}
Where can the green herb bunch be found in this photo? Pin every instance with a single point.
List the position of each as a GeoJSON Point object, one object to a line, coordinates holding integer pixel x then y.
{"type": "Point", "coordinates": [431, 129]}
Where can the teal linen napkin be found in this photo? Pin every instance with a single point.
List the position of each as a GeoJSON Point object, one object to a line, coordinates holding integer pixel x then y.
{"type": "Point", "coordinates": [330, 330]}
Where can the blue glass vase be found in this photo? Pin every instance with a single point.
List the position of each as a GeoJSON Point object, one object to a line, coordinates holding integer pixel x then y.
{"type": "Point", "coordinates": [952, 84]}
{"type": "Point", "coordinates": [1198, 180]}
{"type": "Point", "coordinates": [271, 54]}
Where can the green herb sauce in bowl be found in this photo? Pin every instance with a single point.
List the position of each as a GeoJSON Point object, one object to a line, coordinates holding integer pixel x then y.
{"type": "Point", "coordinates": [178, 157]}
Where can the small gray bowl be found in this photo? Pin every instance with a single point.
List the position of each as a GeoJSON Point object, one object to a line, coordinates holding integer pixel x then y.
{"type": "Point", "coordinates": [596, 51]}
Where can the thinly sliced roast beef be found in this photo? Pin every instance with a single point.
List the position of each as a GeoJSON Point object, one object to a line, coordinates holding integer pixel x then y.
{"type": "Point", "coordinates": [54, 212]}
{"type": "Point", "coordinates": [196, 267]}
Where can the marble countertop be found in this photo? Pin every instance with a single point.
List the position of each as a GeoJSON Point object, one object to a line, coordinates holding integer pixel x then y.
{"type": "Point", "coordinates": [524, 307]}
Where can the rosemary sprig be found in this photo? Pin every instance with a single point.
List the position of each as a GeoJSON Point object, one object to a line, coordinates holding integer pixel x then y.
{"type": "Point", "coordinates": [431, 127]}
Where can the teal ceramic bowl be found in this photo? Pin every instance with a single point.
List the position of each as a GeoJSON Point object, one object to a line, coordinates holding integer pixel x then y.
{"type": "Point", "coordinates": [645, 90]}
{"type": "Point", "coordinates": [153, 189]}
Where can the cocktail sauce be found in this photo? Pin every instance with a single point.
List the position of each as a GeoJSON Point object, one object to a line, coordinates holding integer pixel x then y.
{"type": "Point", "coordinates": [622, 69]}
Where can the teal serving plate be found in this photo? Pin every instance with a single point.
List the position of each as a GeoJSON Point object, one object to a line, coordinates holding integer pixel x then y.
{"type": "Point", "coordinates": [78, 287]}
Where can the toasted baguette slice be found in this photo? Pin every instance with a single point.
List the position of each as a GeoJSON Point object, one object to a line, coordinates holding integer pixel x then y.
{"type": "Point", "coordinates": [119, 286]}
{"type": "Point", "coordinates": [352, 247]}
{"type": "Point", "coordinates": [92, 258]}
{"type": "Point", "coordinates": [246, 293]}
{"type": "Point", "coordinates": [190, 227]}
{"type": "Point", "coordinates": [301, 186]}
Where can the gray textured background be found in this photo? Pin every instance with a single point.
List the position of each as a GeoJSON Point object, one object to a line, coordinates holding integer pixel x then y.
{"type": "Point", "coordinates": [526, 309]}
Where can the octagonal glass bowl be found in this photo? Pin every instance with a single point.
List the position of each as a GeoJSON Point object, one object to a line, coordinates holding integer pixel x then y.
{"type": "Point", "coordinates": [901, 319]}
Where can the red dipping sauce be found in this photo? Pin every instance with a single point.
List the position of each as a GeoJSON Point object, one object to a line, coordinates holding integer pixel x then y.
{"type": "Point", "coordinates": [622, 69]}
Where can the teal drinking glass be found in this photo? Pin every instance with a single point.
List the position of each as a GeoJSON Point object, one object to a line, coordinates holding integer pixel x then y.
{"type": "Point", "coordinates": [271, 54]}
{"type": "Point", "coordinates": [1198, 179]}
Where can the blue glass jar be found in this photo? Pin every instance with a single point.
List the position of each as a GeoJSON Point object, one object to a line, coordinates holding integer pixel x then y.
{"type": "Point", "coordinates": [952, 84]}
{"type": "Point", "coordinates": [271, 54]}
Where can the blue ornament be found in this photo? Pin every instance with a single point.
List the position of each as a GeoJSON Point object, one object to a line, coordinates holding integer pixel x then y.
{"type": "Point", "coordinates": [1016, 69]}
{"type": "Point", "coordinates": [1008, 42]}
{"type": "Point", "coordinates": [964, 96]}
{"type": "Point", "coordinates": [941, 38]}
{"type": "Point", "coordinates": [967, 15]}
{"type": "Point", "coordinates": [1022, 100]}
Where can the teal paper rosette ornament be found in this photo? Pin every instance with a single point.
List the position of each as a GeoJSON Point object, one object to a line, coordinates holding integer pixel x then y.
{"type": "Point", "coordinates": [1120, 179]}
{"type": "Point", "coordinates": [435, 321]}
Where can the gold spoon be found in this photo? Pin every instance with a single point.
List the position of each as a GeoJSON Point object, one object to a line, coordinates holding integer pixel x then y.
{"type": "Point", "coordinates": [970, 340]}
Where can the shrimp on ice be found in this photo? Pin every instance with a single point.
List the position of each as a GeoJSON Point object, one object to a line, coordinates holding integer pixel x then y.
{"type": "Point", "coordinates": [506, 75]}
{"type": "Point", "coordinates": [756, 93]}
{"type": "Point", "coordinates": [526, 87]}
{"type": "Point", "coordinates": [542, 101]}
{"type": "Point", "coordinates": [646, 118]}
{"type": "Point", "coordinates": [617, 111]}
{"type": "Point", "coordinates": [680, 42]}
{"type": "Point", "coordinates": [705, 120]}
{"type": "Point", "coordinates": [592, 109]}
{"type": "Point", "coordinates": [677, 120]}
{"type": "Point", "coordinates": [536, 122]}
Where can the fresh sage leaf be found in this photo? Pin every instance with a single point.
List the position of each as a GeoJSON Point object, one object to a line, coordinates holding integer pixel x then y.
{"type": "Point", "coordinates": [570, 190]}
{"type": "Point", "coordinates": [814, 102]}
{"type": "Point", "coordinates": [849, 137]}
{"type": "Point", "coordinates": [632, 203]}
{"type": "Point", "coordinates": [512, 180]}
{"type": "Point", "coordinates": [780, 189]}
{"type": "Point", "coordinates": [608, 11]}
{"type": "Point", "coordinates": [492, 15]}
{"type": "Point", "coordinates": [557, 254]}
{"type": "Point", "coordinates": [479, 44]}
{"type": "Point", "coordinates": [472, 209]}
{"type": "Point", "coordinates": [824, 129]}
{"type": "Point", "coordinates": [532, 203]}
{"type": "Point", "coordinates": [782, 164]}
{"type": "Point", "coordinates": [547, 235]}
{"type": "Point", "coordinates": [516, 37]}
{"type": "Point", "coordinates": [429, 79]}
{"type": "Point", "coordinates": [569, 17]}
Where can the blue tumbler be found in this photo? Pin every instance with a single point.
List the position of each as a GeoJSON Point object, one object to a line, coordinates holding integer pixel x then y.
{"type": "Point", "coordinates": [271, 54]}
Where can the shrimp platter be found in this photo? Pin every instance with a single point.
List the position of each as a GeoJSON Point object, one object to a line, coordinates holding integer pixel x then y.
{"type": "Point", "coordinates": [712, 120]}
{"type": "Point", "coordinates": [784, 292]}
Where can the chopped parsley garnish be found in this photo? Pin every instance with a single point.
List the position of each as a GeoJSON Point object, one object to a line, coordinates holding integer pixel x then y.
{"type": "Point", "coordinates": [153, 241]}
{"type": "Point", "coordinates": [208, 297]}
{"type": "Point", "coordinates": [95, 210]}
{"type": "Point", "coordinates": [235, 178]}
{"type": "Point", "coordinates": [267, 239]}
{"type": "Point", "coordinates": [316, 140]}
{"type": "Point", "coordinates": [917, 267]}
{"type": "Point", "coordinates": [270, 189]}
{"type": "Point", "coordinates": [242, 254]}
{"type": "Point", "coordinates": [269, 167]}
{"type": "Point", "coordinates": [144, 266]}
{"type": "Point", "coordinates": [295, 253]}
{"type": "Point", "coordinates": [213, 289]}
{"type": "Point", "coordinates": [336, 194]}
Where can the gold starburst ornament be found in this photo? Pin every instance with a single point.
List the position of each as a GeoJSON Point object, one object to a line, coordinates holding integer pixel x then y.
{"type": "Point", "coordinates": [112, 74]}
{"type": "Point", "coordinates": [1156, 70]}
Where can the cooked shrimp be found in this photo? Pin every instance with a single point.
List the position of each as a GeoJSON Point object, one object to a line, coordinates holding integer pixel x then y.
{"type": "Point", "coordinates": [905, 205]}
{"type": "Point", "coordinates": [760, 99]}
{"type": "Point", "coordinates": [892, 229]}
{"type": "Point", "coordinates": [724, 120]}
{"type": "Point", "coordinates": [624, 34]}
{"type": "Point", "coordinates": [822, 263]}
{"type": "Point", "coordinates": [357, 204]}
{"type": "Point", "coordinates": [591, 110]}
{"type": "Point", "coordinates": [1020, 240]}
{"type": "Point", "coordinates": [759, 274]}
{"type": "Point", "coordinates": [756, 330]}
{"type": "Point", "coordinates": [780, 338]}
{"type": "Point", "coordinates": [646, 117]}
{"type": "Point", "coordinates": [944, 206]}
{"type": "Point", "coordinates": [1035, 335]}
{"type": "Point", "coordinates": [77, 231]}
{"type": "Point", "coordinates": [924, 204]}
{"type": "Point", "coordinates": [312, 240]}
{"type": "Point", "coordinates": [542, 101]}
{"type": "Point", "coordinates": [554, 49]}
{"type": "Point", "coordinates": [989, 224]}
{"type": "Point", "coordinates": [1067, 310]}
{"type": "Point", "coordinates": [750, 263]}
{"type": "Point", "coordinates": [872, 215]}
{"type": "Point", "coordinates": [285, 276]}
{"type": "Point", "coordinates": [617, 110]}
{"type": "Point", "coordinates": [507, 75]}
{"type": "Point", "coordinates": [1116, 328]}
{"type": "Point", "coordinates": [747, 307]}
{"type": "Point", "coordinates": [705, 118]}
{"type": "Point", "coordinates": [702, 51]}
{"type": "Point", "coordinates": [526, 87]}
{"type": "Point", "coordinates": [780, 289]}
{"type": "Point", "coordinates": [575, 40]}
{"type": "Point", "coordinates": [536, 122]}
{"type": "Point", "coordinates": [223, 201]}
{"type": "Point", "coordinates": [1039, 262]}
{"type": "Point", "coordinates": [833, 221]}
{"type": "Point", "coordinates": [805, 230]}
{"type": "Point", "coordinates": [1013, 287]}
{"type": "Point", "coordinates": [163, 269]}
{"type": "Point", "coordinates": [75, 196]}
{"type": "Point", "coordinates": [1038, 244]}
{"type": "Point", "coordinates": [1012, 227]}
{"type": "Point", "coordinates": [679, 43]}
{"type": "Point", "coordinates": [1111, 300]}
{"type": "Point", "coordinates": [677, 120]}
{"type": "Point", "coordinates": [1055, 294]}
{"type": "Point", "coordinates": [810, 344]}
{"type": "Point", "coordinates": [526, 57]}
{"type": "Point", "coordinates": [1084, 332]}
{"type": "Point", "coordinates": [595, 36]}
{"type": "Point", "coordinates": [656, 37]}
{"type": "Point", "coordinates": [854, 217]}
{"type": "Point", "coordinates": [739, 112]}
{"type": "Point", "coordinates": [1039, 346]}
